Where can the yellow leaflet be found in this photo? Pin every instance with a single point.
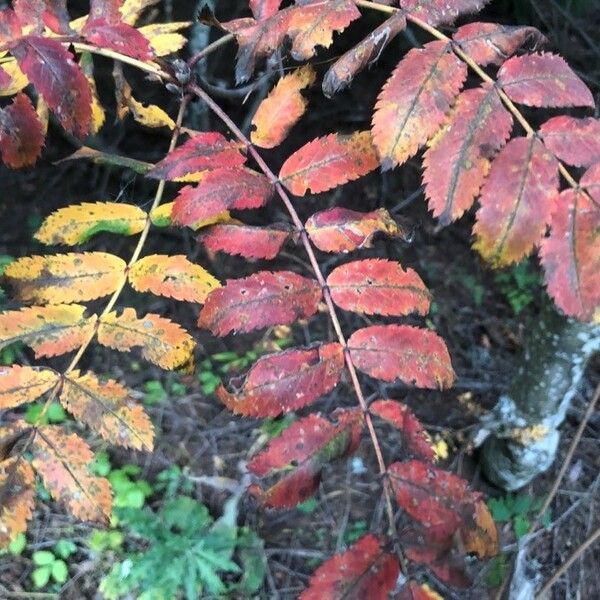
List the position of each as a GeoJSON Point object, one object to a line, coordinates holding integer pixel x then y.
{"type": "Point", "coordinates": [107, 408]}
{"type": "Point", "coordinates": [151, 115]}
{"type": "Point", "coordinates": [162, 342]}
{"type": "Point", "coordinates": [164, 37]}
{"type": "Point", "coordinates": [173, 277]}
{"type": "Point", "coordinates": [65, 278]}
{"type": "Point", "coordinates": [19, 385]}
{"type": "Point", "coordinates": [18, 80]}
{"type": "Point", "coordinates": [161, 217]}
{"type": "Point", "coordinates": [43, 113]}
{"type": "Point", "coordinates": [98, 117]}
{"type": "Point", "coordinates": [132, 9]}
{"type": "Point", "coordinates": [76, 224]}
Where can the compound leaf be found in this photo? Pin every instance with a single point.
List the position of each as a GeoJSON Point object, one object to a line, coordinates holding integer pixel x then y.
{"type": "Point", "coordinates": [416, 356]}
{"type": "Point", "coordinates": [19, 385]}
{"type": "Point", "coordinates": [76, 224]}
{"type": "Point", "coordinates": [344, 230]}
{"type": "Point", "coordinates": [516, 201]}
{"type": "Point", "coordinates": [376, 286]}
{"type": "Point", "coordinates": [299, 454]}
{"type": "Point", "coordinates": [21, 133]}
{"type": "Point", "coordinates": [458, 159]}
{"type": "Point", "coordinates": [282, 108]}
{"type": "Point", "coordinates": [260, 300]}
{"type": "Point", "coordinates": [17, 497]}
{"type": "Point", "coordinates": [328, 162]}
{"type": "Point", "coordinates": [575, 141]}
{"type": "Point", "coordinates": [59, 79]}
{"type": "Point", "coordinates": [63, 461]}
{"type": "Point", "coordinates": [543, 80]}
{"type": "Point", "coordinates": [107, 408]}
{"type": "Point", "coordinates": [571, 255]}
{"type": "Point", "coordinates": [65, 278]}
{"type": "Point", "coordinates": [221, 190]}
{"type": "Point", "coordinates": [415, 100]}
{"type": "Point", "coordinates": [365, 570]}
{"type": "Point", "coordinates": [48, 330]}
{"type": "Point", "coordinates": [286, 381]}
{"type": "Point", "coordinates": [245, 240]}
{"type": "Point", "coordinates": [162, 342]}
{"type": "Point", "coordinates": [173, 277]}
{"type": "Point", "coordinates": [402, 418]}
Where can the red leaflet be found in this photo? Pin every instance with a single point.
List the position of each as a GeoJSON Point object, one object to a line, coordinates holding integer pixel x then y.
{"type": "Point", "coordinates": [344, 230]}
{"type": "Point", "coordinates": [246, 240]}
{"type": "Point", "coordinates": [544, 80]}
{"type": "Point", "coordinates": [60, 80]}
{"type": "Point", "coordinates": [401, 417]}
{"type": "Point", "coordinates": [365, 570]}
{"type": "Point", "coordinates": [301, 452]}
{"type": "Point", "coordinates": [220, 190]}
{"type": "Point", "coordinates": [260, 300]}
{"type": "Point", "coordinates": [415, 100]}
{"type": "Point", "coordinates": [327, 162]}
{"type": "Point", "coordinates": [443, 560]}
{"type": "Point", "coordinates": [345, 69]}
{"type": "Point", "coordinates": [202, 152]}
{"type": "Point", "coordinates": [263, 9]}
{"type": "Point", "coordinates": [119, 37]}
{"type": "Point", "coordinates": [308, 24]}
{"type": "Point", "coordinates": [37, 13]}
{"type": "Point", "coordinates": [591, 182]}
{"type": "Point", "coordinates": [435, 12]}
{"type": "Point", "coordinates": [107, 10]}
{"type": "Point", "coordinates": [516, 201]}
{"type": "Point", "coordinates": [458, 160]}
{"type": "Point", "coordinates": [575, 141]}
{"type": "Point", "coordinates": [286, 381]}
{"type": "Point", "coordinates": [439, 500]}
{"type": "Point", "coordinates": [10, 26]}
{"type": "Point", "coordinates": [491, 43]}
{"type": "Point", "coordinates": [380, 287]}
{"type": "Point", "coordinates": [21, 133]}
{"type": "Point", "coordinates": [416, 356]}
{"type": "Point", "coordinates": [571, 255]}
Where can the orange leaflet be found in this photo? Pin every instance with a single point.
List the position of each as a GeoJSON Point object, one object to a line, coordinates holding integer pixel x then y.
{"type": "Point", "coordinates": [19, 385]}
{"type": "Point", "coordinates": [17, 485]}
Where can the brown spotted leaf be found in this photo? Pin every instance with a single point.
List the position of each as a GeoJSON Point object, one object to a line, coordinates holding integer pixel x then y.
{"type": "Point", "coordinates": [574, 141]}
{"type": "Point", "coordinates": [63, 460]}
{"type": "Point", "coordinates": [17, 498]}
{"type": "Point", "coordinates": [282, 108]}
{"type": "Point", "coordinates": [202, 152]}
{"type": "Point", "coordinates": [19, 385]}
{"type": "Point", "coordinates": [65, 278]}
{"type": "Point", "coordinates": [378, 287]}
{"type": "Point", "coordinates": [516, 201]}
{"type": "Point", "coordinates": [260, 300]}
{"type": "Point", "coordinates": [328, 162]}
{"type": "Point", "coordinates": [48, 330]}
{"type": "Point", "coordinates": [106, 407]}
{"type": "Point", "coordinates": [458, 159]}
{"type": "Point", "coordinates": [571, 255]}
{"type": "Point", "coordinates": [296, 458]}
{"type": "Point", "coordinates": [402, 418]}
{"type": "Point", "coordinates": [51, 69]}
{"type": "Point", "coordinates": [415, 100]}
{"type": "Point", "coordinates": [220, 190]}
{"type": "Point", "coordinates": [367, 52]}
{"type": "Point", "coordinates": [365, 570]}
{"type": "Point", "coordinates": [21, 133]}
{"type": "Point", "coordinates": [77, 223]}
{"type": "Point", "coordinates": [286, 381]}
{"type": "Point", "coordinates": [245, 240]}
{"type": "Point", "coordinates": [543, 80]}
{"type": "Point", "coordinates": [344, 230]}
{"type": "Point", "coordinates": [161, 341]}
{"type": "Point", "coordinates": [173, 277]}
{"type": "Point", "coordinates": [415, 356]}
{"type": "Point", "coordinates": [436, 12]}
{"type": "Point", "coordinates": [492, 44]}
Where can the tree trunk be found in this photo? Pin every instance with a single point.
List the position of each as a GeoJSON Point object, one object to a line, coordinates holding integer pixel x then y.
{"type": "Point", "coordinates": [521, 433]}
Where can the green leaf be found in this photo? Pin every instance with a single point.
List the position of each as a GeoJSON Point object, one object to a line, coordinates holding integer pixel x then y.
{"type": "Point", "coordinates": [42, 557]}
{"type": "Point", "coordinates": [521, 526]}
{"type": "Point", "coordinates": [308, 506]}
{"type": "Point", "coordinates": [497, 571]}
{"type": "Point", "coordinates": [60, 572]}
{"type": "Point", "coordinates": [253, 562]}
{"type": "Point", "coordinates": [500, 510]}
{"type": "Point", "coordinates": [41, 576]}
{"type": "Point", "coordinates": [56, 413]}
{"type": "Point", "coordinates": [17, 546]}
{"type": "Point", "coordinates": [64, 548]}
{"type": "Point", "coordinates": [101, 464]}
